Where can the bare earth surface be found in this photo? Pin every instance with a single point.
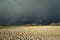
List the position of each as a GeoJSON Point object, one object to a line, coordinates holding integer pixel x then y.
{"type": "Point", "coordinates": [30, 33]}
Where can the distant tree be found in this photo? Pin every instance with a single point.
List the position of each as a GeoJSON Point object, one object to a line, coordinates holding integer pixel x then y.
{"type": "Point", "coordinates": [53, 24]}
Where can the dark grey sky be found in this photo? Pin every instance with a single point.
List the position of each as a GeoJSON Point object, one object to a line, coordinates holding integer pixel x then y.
{"type": "Point", "coordinates": [29, 11]}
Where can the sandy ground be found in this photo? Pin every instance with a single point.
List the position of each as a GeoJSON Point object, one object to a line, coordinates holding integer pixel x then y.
{"type": "Point", "coordinates": [31, 33]}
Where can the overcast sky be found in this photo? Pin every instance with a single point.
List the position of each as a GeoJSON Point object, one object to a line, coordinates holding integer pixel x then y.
{"type": "Point", "coordinates": [29, 11]}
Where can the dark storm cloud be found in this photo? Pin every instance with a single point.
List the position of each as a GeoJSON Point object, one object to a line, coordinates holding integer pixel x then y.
{"type": "Point", "coordinates": [29, 11]}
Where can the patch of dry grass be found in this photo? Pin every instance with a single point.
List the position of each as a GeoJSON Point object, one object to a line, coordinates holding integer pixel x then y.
{"type": "Point", "coordinates": [30, 33]}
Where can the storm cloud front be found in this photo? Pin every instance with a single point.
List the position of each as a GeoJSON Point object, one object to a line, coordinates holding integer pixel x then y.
{"type": "Point", "coordinates": [29, 11]}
